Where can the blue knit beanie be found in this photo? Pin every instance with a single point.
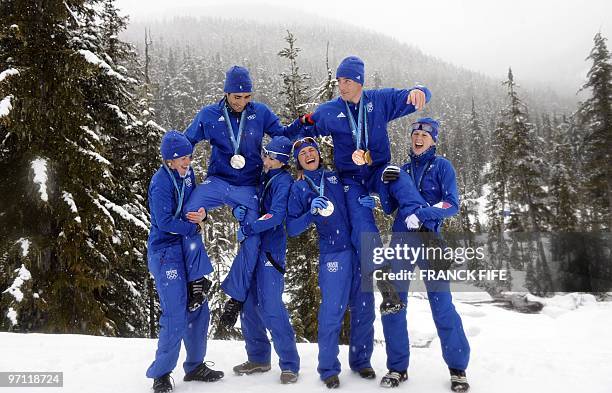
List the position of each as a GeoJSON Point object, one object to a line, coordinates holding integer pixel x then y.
{"type": "Point", "coordinates": [174, 145]}
{"type": "Point", "coordinates": [238, 80]}
{"type": "Point", "coordinates": [427, 120]}
{"type": "Point", "coordinates": [352, 68]}
{"type": "Point", "coordinates": [303, 144]}
{"type": "Point", "coordinates": [281, 146]}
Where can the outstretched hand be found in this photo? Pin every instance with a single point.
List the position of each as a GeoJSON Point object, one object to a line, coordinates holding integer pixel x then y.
{"type": "Point", "coordinates": [417, 98]}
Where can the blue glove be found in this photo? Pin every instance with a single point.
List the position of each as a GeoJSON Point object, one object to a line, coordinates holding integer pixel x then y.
{"type": "Point", "coordinates": [318, 203]}
{"type": "Point", "coordinates": [239, 212]}
{"type": "Point", "coordinates": [240, 235]}
{"type": "Point", "coordinates": [367, 201]}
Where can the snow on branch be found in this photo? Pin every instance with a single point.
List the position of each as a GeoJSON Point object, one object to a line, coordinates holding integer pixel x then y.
{"type": "Point", "coordinates": [73, 207]}
{"type": "Point", "coordinates": [6, 73]}
{"type": "Point", "coordinates": [123, 213]}
{"type": "Point", "coordinates": [39, 166]}
{"type": "Point", "coordinates": [5, 106]}
{"type": "Point", "coordinates": [90, 153]}
{"type": "Point", "coordinates": [14, 290]}
{"type": "Point", "coordinates": [90, 57]}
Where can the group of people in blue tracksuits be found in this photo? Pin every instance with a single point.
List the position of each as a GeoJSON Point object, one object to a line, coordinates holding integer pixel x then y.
{"type": "Point", "coordinates": [254, 180]}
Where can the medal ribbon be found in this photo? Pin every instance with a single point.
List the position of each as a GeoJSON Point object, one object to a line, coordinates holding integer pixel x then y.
{"type": "Point", "coordinates": [321, 188]}
{"type": "Point", "coordinates": [180, 194]}
{"type": "Point", "coordinates": [362, 123]}
{"type": "Point", "coordinates": [234, 139]}
{"type": "Point", "coordinates": [263, 193]}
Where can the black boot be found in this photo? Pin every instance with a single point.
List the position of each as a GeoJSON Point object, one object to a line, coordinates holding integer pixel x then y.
{"type": "Point", "coordinates": [459, 381]}
{"type": "Point", "coordinates": [332, 382]}
{"type": "Point", "coordinates": [391, 302]}
{"type": "Point", "coordinates": [230, 312]}
{"type": "Point", "coordinates": [162, 384]}
{"type": "Point", "coordinates": [367, 373]}
{"type": "Point", "coordinates": [204, 374]}
{"type": "Point", "coordinates": [393, 378]}
{"type": "Point", "coordinates": [197, 292]}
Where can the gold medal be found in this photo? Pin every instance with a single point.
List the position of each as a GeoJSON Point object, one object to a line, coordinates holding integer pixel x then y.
{"type": "Point", "coordinates": [367, 157]}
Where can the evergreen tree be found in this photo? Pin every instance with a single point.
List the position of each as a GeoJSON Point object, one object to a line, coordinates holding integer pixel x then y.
{"type": "Point", "coordinates": [84, 227]}
{"type": "Point", "coordinates": [595, 116]}
{"type": "Point", "coordinates": [294, 82]}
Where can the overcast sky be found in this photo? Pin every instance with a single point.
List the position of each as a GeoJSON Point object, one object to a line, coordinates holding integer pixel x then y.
{"type": "Point", "coordinates": [545, 41]}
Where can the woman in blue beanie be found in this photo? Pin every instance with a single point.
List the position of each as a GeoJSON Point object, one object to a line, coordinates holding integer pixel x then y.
{"type": "Point", "coordinates": [264, 308]}
{"type": "Point", "coordinates": [178, 262]}
{"type": "Point", "coordinates": [435, 179]}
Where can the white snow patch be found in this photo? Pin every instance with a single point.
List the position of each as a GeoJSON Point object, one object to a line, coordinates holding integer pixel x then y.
{"type": "Point", "coordinates": [25, 246]}
{"type": "Point", "coordinates": [91, 133]}
{"type": "Point", "coordinates": [12, 315]}
{"type": "Point", "coordinates": [72, 205]}
{"type": "Point", "coordinates": [39, 166]}
{"type": "Point", "coordinates": [123, 213]}
{"type": "Point", "coordinates": [6, 73]}
{"type": "Point", "coordinates": [95, 60]}
{"type": "Point", "coordinates": [96, 156]}
{"type": "Point", "coordinates": [5, 106]}
{"type": "Point", "coordinates": [15, 289]}
{"type": "Point", "coordinates": [511, 352]}
{"type": "Point", "coordinates": [118, 112]}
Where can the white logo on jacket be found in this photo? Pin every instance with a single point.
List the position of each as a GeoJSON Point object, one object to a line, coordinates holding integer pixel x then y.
{"type": "Point", "coordinates": [221, 118]}
{"type": "Point", "coordinates": [369, 107]}
{"type": "Point", "coordinates": [332, 266]}
{"type": "Point", "coordinates": [251, 117]}
{"type": "Point", "coordinates": [268, 263]}
{"type": "Point", "coordinates": [187, 181]}
{"type": "Point", "coordinates": [172, 274]}
{"type": "Point", "coordinates": [332, 179]}
{"type": "Point", "coordinates": [346, 188]}
{"type": "Point", "coordinates": [341, 114]}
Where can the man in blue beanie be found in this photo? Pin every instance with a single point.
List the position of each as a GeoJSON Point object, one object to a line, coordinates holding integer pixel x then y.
{"type": "Point", "coordinates": [264, 308]}
{"type": "Point", "coordinates": [235, 127]}
{"type": "Point", "coordinates": [178, 261]}
{"type": "Point", "coordinates": [436, 181]}
{"type": "Point", "coordinates": [357, 122]}
{"type": "Point", "coordinates": [310, 202]}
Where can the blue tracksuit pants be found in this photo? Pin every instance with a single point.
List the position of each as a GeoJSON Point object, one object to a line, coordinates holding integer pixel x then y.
{"type": "Point", "coordinates": [214, 193]}
{"type": "Point", "coordinates": [264, 309]}
{"type": "Point", "coordinates": [176, 322]}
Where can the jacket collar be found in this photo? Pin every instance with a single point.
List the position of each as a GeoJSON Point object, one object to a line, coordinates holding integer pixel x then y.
{"type": "Point", "coordinates": [423, 157]}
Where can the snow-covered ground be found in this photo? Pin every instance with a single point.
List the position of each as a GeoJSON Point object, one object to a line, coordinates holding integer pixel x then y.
{"type": "Point", "coordinates": [566, 348]}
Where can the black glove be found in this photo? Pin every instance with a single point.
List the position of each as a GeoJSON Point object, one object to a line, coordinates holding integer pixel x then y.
{"type": "Point", "coordinates": [391, 173]}
{"type": "Point", "coordinates": [197, 292]}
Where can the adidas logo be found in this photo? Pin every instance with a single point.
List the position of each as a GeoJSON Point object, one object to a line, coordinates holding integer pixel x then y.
{"type": "Point", "coordinates": [268, 263]}
{"type": "Point", "coordinates": [221, 118]}
{"type": "Point", "coordinates": [341, 114]}
{"type": "Point", "coordinates": [175, 155]}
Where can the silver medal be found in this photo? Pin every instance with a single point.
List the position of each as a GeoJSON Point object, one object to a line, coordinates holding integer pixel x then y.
{"type": "Point", "coordinates": [328, 210]}
{"type": "Point", "coordinates": [237, 161]}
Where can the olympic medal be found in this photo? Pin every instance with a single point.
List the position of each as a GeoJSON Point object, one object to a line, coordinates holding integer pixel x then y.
{"type": "Point", "coordinates": [237, 161]}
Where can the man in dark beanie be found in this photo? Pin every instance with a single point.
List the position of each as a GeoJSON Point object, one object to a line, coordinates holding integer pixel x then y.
{"type": "Point", "coordinates": [235, 127]}
{"type": "Point", "coordinates": [357, 122]}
